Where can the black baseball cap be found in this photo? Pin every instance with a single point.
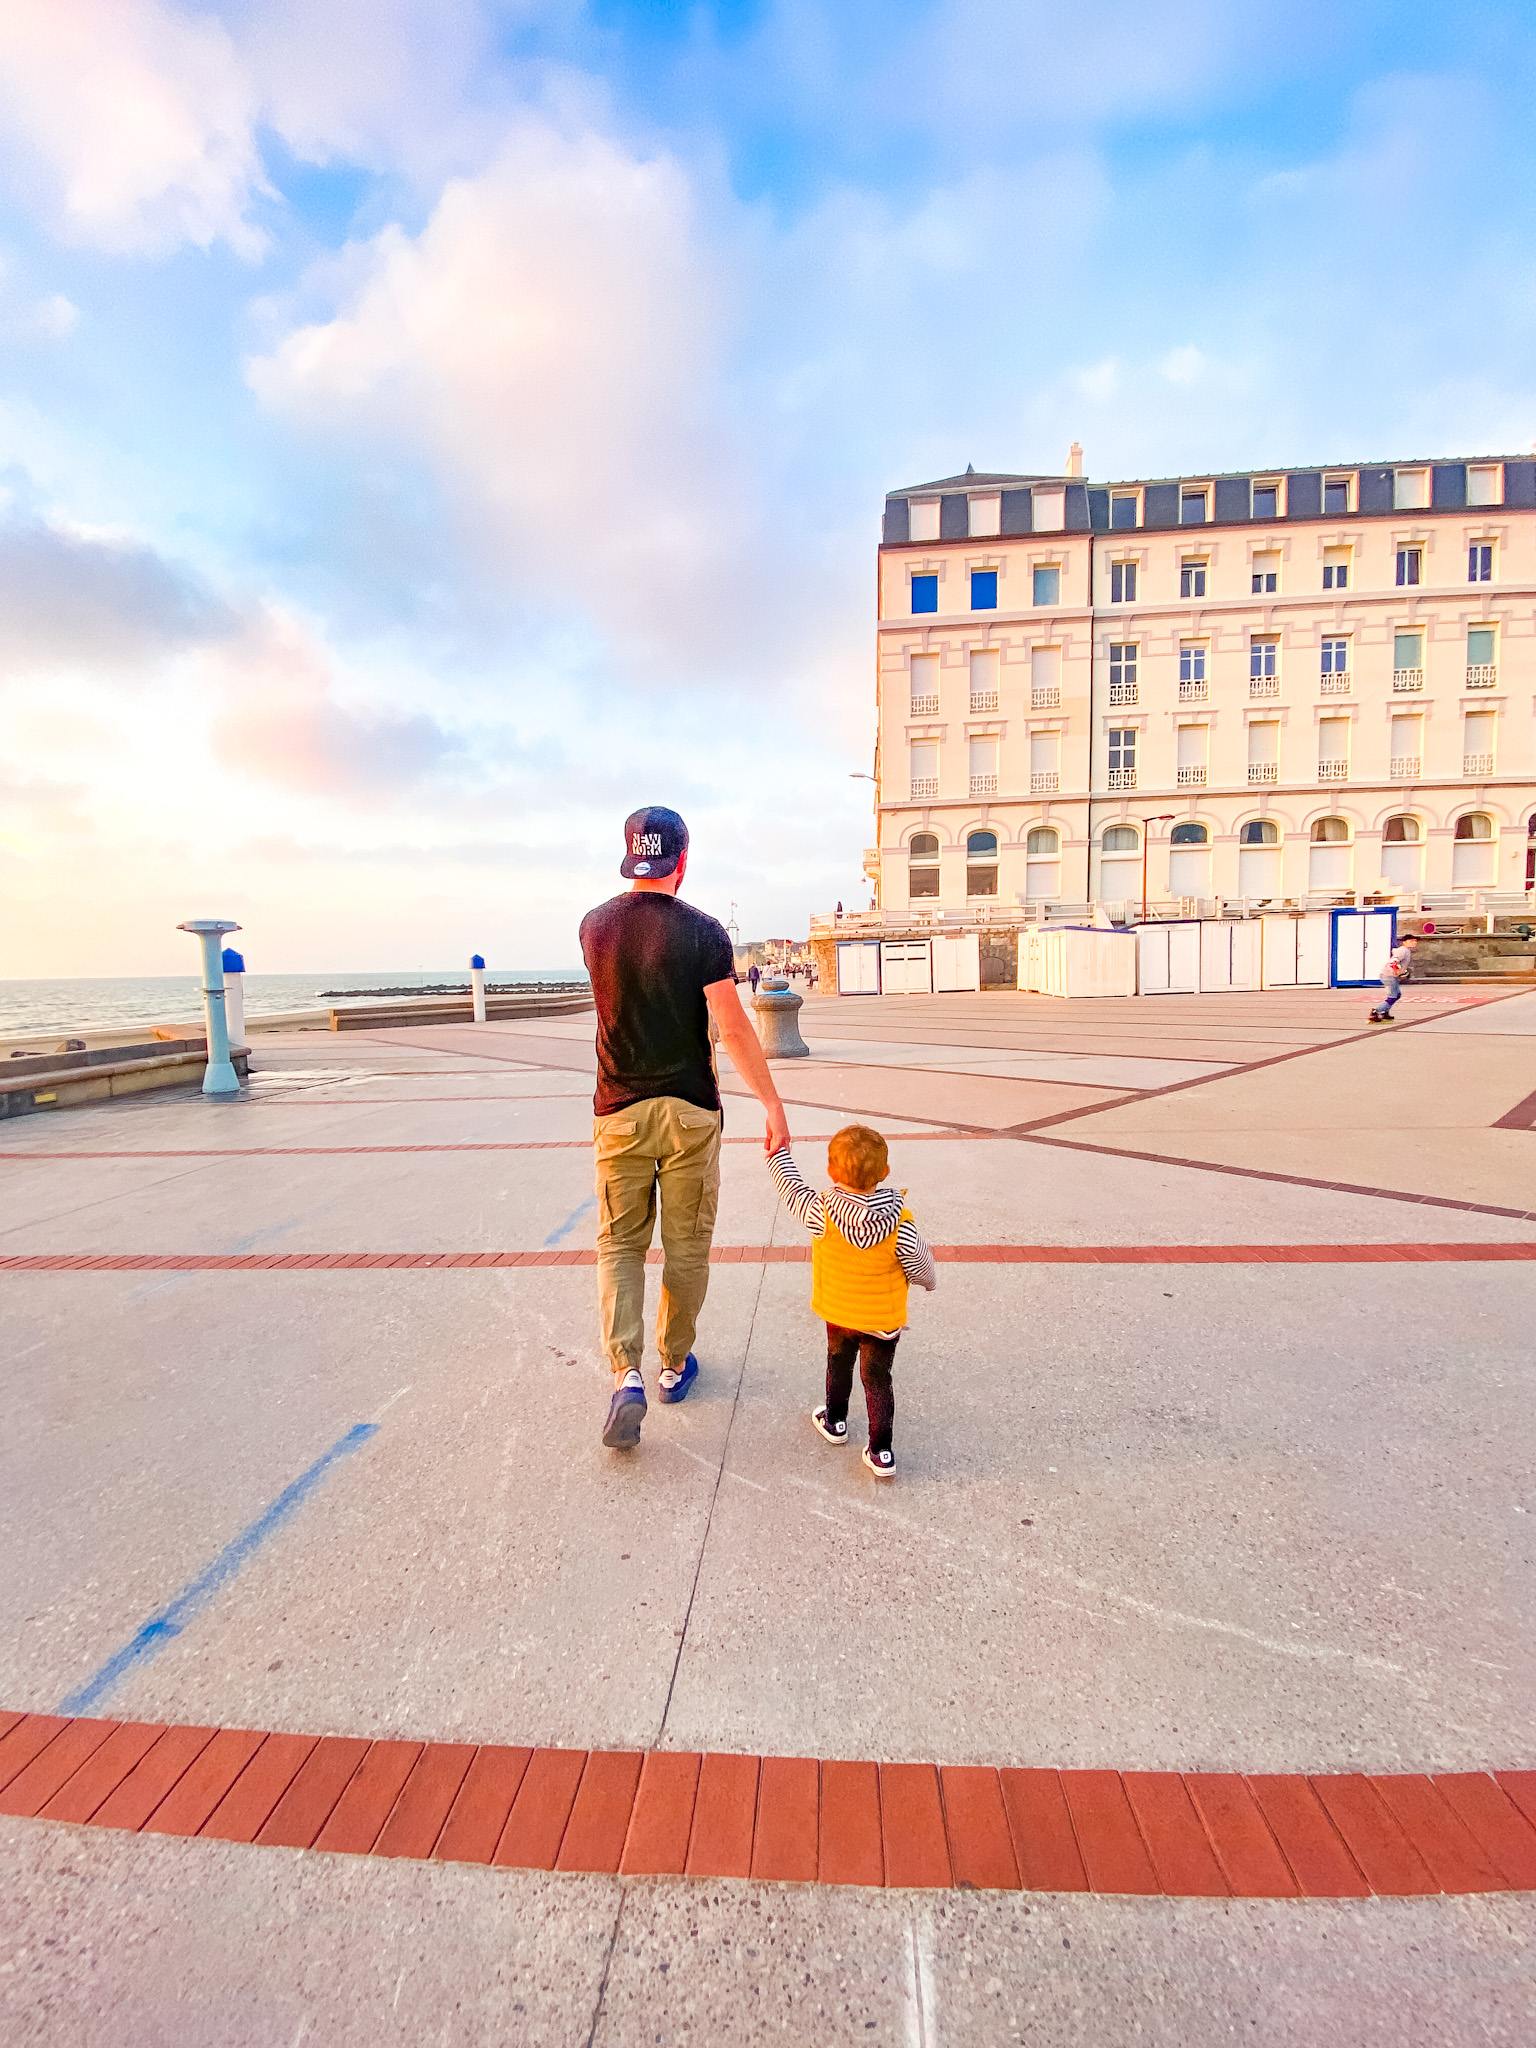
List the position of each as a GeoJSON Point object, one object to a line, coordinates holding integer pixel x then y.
{"type": "Point", "coordinates": [655, 840]}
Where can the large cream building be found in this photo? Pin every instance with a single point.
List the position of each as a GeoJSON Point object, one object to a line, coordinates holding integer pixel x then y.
{"type": "Point", "coordinates": [1311, 683]}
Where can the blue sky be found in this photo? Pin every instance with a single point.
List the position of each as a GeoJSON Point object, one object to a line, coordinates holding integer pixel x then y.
{"type": "Point", "coordinates": [427, 431]}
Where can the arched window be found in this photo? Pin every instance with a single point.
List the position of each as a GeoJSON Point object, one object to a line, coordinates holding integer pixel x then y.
{"type": "Point", "coordinates": [1330, 831]}
{"type": "Point", "coordinates": [922, 866]}
{"type": "Point", "coordinates": [1042, 870]}
{"type": "Point", "coordinates": [1258, 859]}
{"type": "Point", "coordinates": [1189, 834]}
{"type": "Point", "coordinates": [1189, 859]}
{"type": "Point", "coordinates": [1043, 841]}
{"type": "Point", "coordinates": [1122, 839]}
{"type": "Point", "coordinates": [1401, 830]}
{"type": "Point", "coordinates": [981, 846]}
{"type": "Point", "coordinates": [1475, 825]}
{"type": "Point", "coordinates": [1402, 852]}
{"type": "Point", "coordinates": [1260, 832]}
{"type": "Point", "coordinates": [981, 864]}
{"type": "Point", "coordinates": [1473, 855]}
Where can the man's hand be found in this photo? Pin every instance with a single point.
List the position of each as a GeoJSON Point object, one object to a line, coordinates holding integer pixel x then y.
{"type": "Point", "coordinates": [745, 1050]}
{"type": "Point", "coordinates": [776, 1136]}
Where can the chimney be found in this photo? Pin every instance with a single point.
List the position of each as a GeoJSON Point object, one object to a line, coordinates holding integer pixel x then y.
{"type": "Point", "coordinates": [1075, 459]}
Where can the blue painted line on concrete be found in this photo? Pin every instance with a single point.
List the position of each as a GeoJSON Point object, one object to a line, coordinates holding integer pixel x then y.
{"type": "Point", "coordinates": [193, 1598]}
{"type": "Point", "coordinates": [564, 1229]}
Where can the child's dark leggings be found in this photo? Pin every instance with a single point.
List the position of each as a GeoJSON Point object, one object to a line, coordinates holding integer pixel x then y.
{"type": "Point", "coordinates": [874, 1355]}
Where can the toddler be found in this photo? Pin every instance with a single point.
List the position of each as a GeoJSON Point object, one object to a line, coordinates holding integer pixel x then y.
{"type": "Point", "coordinates": [866, 1250]}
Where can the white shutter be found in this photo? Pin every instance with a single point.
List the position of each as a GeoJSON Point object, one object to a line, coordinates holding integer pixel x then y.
{"type": "Point", "coordinates": [983, 757]}
{"type": "Point", "coordinates": [925, 675]}
{"type": "Point", "coordinates": [1333, 739]}
{"type": "Point", "coordinates": [1263, 742]}
{"type": "Point", "coordinates": [1044, 753]}
{"type": "Point", "coordinates": [984, 672]}
{"type": "Point", "coordinates": [1193, 746]}
{"type": "Point", "coordinates": [923, 519]}
{"type": "Point", "coordinates": [986, 515]}
{"type": "Point", "coordinates": [1045, 669]}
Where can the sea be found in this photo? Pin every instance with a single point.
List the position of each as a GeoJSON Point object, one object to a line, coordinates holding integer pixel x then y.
{"type": "Point", "coordinates": [91, 1002]}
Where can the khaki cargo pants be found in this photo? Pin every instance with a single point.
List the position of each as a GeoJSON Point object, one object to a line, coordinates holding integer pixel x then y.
{"type": "Point", "coordinates": [669, 1146]}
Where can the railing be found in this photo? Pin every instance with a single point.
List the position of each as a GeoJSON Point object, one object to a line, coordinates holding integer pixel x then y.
{"type": "Point", "coordinates": [1048, 697]}
{"type": "Point", "coordinates": [1482, 675]}
{"type": "Point", "coordinates": [1477, 764]}
{"type": "Point", "coordinates": [925, 785]}
{"type": "Point", "coordinates": [1333, 771]}
{"type": "Point", "coordinates": [1334, 683]}
{"type": "Point", "coordinates": [1404, 766]}
{"type": "Point", "coordinates": [925, 706]}
{"type": "Point", "coordinates": [983, 700]}
{"type": "Point", "coordinates": [1263, 771]}
{"type": "Point", "coordinates": [983, 785]}
{"type": "Point", "coordinates": [1045, 783]}
{"type": "Point", "coordinates": [1407, 679]}
{"type": "Point", "coordinates": [1122, 693]}
{"type": "Point", "coordinates": [1193, 692]}
{"type": "Point", "coordinates": [1263, 686]}
{"type": "Point", "coordinates": [1192, 778]}
{"type": "Point", "coordinates": [1122, 778]}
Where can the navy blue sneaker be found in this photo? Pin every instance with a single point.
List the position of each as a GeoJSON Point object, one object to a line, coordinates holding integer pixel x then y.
{"type": "Point", "coordinates": [680, 1381]}
{"type": "Point", "coordinates": [626, 1412]}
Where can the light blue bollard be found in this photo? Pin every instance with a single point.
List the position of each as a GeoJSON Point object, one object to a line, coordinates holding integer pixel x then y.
{"type": "Point", "coordinates": [477, 986]}
{"type": "Point", "coordinates": [220, 1079]}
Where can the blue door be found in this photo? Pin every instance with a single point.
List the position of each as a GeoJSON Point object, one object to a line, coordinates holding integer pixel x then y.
{"type": "Point", "coordinates": [1361, 941]}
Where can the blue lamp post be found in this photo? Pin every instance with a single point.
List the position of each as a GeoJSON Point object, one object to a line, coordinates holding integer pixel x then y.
{"type": "Point", "coordinates": [220, 1078]}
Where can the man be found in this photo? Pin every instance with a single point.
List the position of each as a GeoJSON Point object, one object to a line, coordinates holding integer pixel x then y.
{"type": "Point", "coordinates": [1399, 968]}
{"type": "Point", "coordinates": [660, 971]}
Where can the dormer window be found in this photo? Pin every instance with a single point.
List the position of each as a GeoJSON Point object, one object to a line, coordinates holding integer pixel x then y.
{"type": "Point", "coordinates": [922, 518]}
{"type": "Point", "coordinates": [1192, 508]}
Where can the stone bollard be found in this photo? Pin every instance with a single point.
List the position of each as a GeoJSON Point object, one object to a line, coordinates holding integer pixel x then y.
{"type": "Point", "coordinates": [778, 1020]}
{"type": "Point", "coordinates": [220, 1081]}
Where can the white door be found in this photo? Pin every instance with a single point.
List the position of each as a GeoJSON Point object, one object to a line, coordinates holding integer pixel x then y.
{"type": "Point", "coordinates": [1377, 940]}
{"type": "Point", "coordinates": [1349, 948]}
{"type": "Point", "coordinates": [1183, 959]}
{"type": "Point", "coordinates": [957, 963]}
{"type": "Point", "coordinates": [858, 967]}
{"type": "Point", "coordinates": [1312, 949]}
{"type": "Point", "coordinates": [1279, 943]}
{"type": "Point", "coordinates": [905, 969]}
{"type": "Point", "coordinates": [1215, 956]}
{"type": "Point", "coordinates": [1152, 959]}
{"type": "Point", "coordinates": [1247, 951]}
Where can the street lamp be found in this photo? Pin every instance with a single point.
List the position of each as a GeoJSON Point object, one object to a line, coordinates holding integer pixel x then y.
{"type": "Point", "coordinates": [1160, 818]}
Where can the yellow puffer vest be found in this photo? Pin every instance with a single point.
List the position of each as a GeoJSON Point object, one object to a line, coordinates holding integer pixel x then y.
{"type": "Point", "coordinates": [861, 1290]}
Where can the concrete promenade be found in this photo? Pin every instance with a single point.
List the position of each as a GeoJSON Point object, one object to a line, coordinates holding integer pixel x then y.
{"type": "Point", "coordinates": [1215, 1457]}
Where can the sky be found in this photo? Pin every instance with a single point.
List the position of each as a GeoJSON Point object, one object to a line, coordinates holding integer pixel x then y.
{"type": "Point", "coordinates": [430, 429]}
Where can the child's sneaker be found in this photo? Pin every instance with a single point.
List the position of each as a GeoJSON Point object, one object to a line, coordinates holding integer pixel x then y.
{"type": "Point", "coordinates": [834, 1432]}
{"type": "Point", "coordinates": [881, 1463]}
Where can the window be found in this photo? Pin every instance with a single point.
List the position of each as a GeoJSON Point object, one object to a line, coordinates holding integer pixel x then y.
{"type": "Point", "coordinates": [1122, 671]}
{"type": "Point", "coordinates": [1482, 657]}
{"type": "Point", "coordinates": [1047, 585]}
{"type": "Point", "coordinates": [1480, 562]}
{"type": "Point", "coordinates": [1044, 678]}
{"type": "Point", "coordinates": [1330, 831]}
{"type": "Point", "coordinates": [1407, 661]}
{"type": "Point", "coordinates": [1328, 856]}
{"type": "Point", "coordinates": [1190, 834]}
{"type": "Point", "coordinates": [1485, 483]}
{"type": "Point", "coordinates": [1410, 490]}
{"type": "Point", "coordinates": [1336, 568]}
{"type": "Point", "coordinates": [1477, 743]}
{"type": "Point", "coordinates": [1335, 657]}
{"type": "Point", "coordinates": [1192, 508]}
{"type": "Point", "coordinates": [925, 593]}
{"type": "Point", "coordinates": [984, 679]}
{"type": "Point", "coordinates": [924, 757]}
{"type": "Point", "coordinates": [1049, 511]}
{"type": "Point", "coordinates": [1474, 826]}
{"type": "Point", "coordinates": [1122, 839]}
{"type": "Point", "coordinates": [1044, 763]}
{"type": "Point", "coordinates": [1043, 843]}
{"type": "Point", "coordinates": [1042, 873]}
{"type": "Point", "coordinates": [1192, 681]}
{"type": "Point", "coordinates": [983, 590]}
{"type": "Point", "coordinates": [984, 765]}
{"type": "Point", "coordinates": [923, 865]}
{"type": "Point", "coordinates": [1122, 582]}
{"type": "Point", "coordinates": [925, 685]}
{"type": "Point", "coordinates": [1193, 753]}
{"type": "Point", "coordinates": [981, 864]}
{"type": "Point", "coordinates": [1405, 747]}
{"type": "Point", "coordinates": [1400, 830]}
{"type": "Point", "coordinates": [1266, 575]}
{"type": "Point", "coordinates": [1333, 750]}
{"type": "Point", "coordinates": [1122, 510]}
{"type": "Point", "coordinates": [986, 515]}
{"type": "Point", "coordinates": [1402, 852]}
{"type": "Point", "coordinates": [922, 518]}
{"type": "Point", "coordinates": [1409, 563]}
{"type": "Point", "coordinates": [1266, 501]}
{"type": "Point", "coordinates": [1192, 579]}
{"type": "Point", "coordinates": [1335, 497]}
{"type": "Point", "coordinates": [1473, 852]}
{"type": "Point", "coordinates": [1259, 832]}
{"type": "Point", "coordinates": [1263, 665]}
{"type": "Point", "coordinates": [1122, 757]}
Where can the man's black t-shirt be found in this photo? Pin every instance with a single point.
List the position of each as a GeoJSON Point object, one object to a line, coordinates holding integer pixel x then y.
{"type": "Point", "coordinates": [651, 958]}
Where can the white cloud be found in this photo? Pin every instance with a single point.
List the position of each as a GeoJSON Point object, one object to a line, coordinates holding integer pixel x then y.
{"type": "Point", "coordinates": [132, 121]}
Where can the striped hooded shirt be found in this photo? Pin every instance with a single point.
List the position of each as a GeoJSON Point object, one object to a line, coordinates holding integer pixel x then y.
{"type": "Point", "coordinates": [864, 1219]}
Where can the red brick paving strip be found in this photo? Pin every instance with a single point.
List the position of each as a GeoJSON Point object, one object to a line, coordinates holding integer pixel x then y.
{"type": "Point", "coordinates": [790, 1819]}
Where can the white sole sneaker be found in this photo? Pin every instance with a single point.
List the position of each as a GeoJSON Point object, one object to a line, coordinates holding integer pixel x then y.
{"type": "Point", "coordinates": [827, 1434]}
{"type": "Point", "coordinates": [881, 1471]}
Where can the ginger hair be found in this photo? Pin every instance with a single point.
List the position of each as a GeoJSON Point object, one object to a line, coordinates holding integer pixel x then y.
{"type": "Point", "coordinates": [857, 1158]}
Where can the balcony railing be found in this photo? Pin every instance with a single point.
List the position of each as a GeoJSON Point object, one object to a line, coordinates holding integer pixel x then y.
{"type": "Point", "coordinates": [1193, 692]}
{"type": "Point", "coordinates": [983, 785]}
{"type": "Point", "coordinates": [1263, 686]}
{"type": "Point", "coordinates": [1192, 778]}
{"type": "Point", "coordinates": [1333, 771]}
{"type": "Point", "coordinates": [1122, 778]}
{"type": "Point", "coordinates": [1122, 693]}
{"type": "Point", "coordinates": [1477, 764]}
{"type": "Point", "coordinates": [983, 700]}
{"type": "Point", "coordinates": [1263, 771]}
{"type": "Point", "coordinates": [1403, 766]}
{"type": "Point", "coordinates": [1048, 697]}
{"type": "Point", "coordinates": [1334, 684]}
{"type": "Point", "coordinates": [925, 706]}
{"type": "Point", "coordinates": [1044, 782]}
{"type": "Point", "coordinates": [1407, 679]}
{"type": "Point", "coordinates": [925, 785]}
{"type": "Point", "coordinates": [1482, 675]}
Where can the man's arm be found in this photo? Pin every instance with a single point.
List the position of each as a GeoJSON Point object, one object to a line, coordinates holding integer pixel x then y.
{"type": "Point", "coordinates": [746, 1054]}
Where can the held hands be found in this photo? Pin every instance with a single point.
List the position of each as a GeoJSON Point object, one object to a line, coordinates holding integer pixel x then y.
{"type": "Point", "coordinates": [776, 1132]}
